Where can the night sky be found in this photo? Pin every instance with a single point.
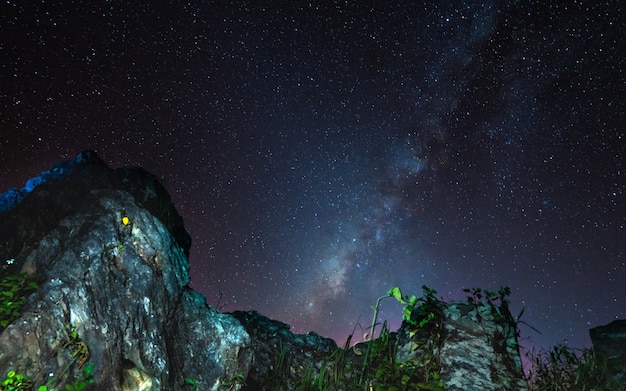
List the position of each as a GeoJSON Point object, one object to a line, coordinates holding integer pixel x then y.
{"type": "Point", "coordinates": [324, 152]}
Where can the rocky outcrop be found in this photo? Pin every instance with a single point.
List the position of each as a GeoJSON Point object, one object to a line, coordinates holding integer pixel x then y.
{"type": "Point", "coordinates": [481, 351]}
{"type": "Point", "coordinates": [468, 345]}
{"type": "Point", "coordinates": [281, 358]}
{"type": "Point", "coordinates": [609, 343]}
{"type": "Point", "coordinates": [105, 301]}
{"type": "Point", "coordinates": [111, 253]}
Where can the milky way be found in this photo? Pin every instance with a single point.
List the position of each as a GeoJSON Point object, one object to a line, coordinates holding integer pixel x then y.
{"type": "Point", "coordinates": [322, 153]}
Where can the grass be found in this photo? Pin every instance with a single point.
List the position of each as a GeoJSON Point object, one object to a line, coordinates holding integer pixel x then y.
{"type": "Point", "coordinates": [560, 369]}
{"type": "Point", "coordinates": [373, 365]}
{"type": "Point", "coordinates": [567, 369]}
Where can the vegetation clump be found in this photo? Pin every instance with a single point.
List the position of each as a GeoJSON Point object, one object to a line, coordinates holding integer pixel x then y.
{"type": "Point", "coordinates": [567, 369]}
{"type": "Point", "coordinates": [14, 289]}
{"type": "Point", "coordinates": [376, 366]}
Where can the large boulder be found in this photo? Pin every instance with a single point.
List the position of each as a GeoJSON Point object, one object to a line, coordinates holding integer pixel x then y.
{"type": "Point", "coordinates": [113, 304]}
{"type": "Point", "coordinates": [609, 343]}
{"type": "Point", "coordinates": [474, 343]}
{"type": "Point", "coordinates": [481, 351]}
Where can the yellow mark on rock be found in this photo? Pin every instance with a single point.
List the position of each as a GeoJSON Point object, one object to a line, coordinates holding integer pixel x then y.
{"type": "Point", "coordinates": [125, 220]}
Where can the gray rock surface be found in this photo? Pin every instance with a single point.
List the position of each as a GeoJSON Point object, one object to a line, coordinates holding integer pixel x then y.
{"type": "Point", "coordinates": [281, 358]}
{"type": "Point", "coordinates": [609, 342]}
{"type": "Point", "coordinates": [481, 351]}
{"type": "Point", "coordinates": [112, 295]}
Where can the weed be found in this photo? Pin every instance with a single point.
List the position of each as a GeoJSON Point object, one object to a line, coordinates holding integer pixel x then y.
{"type": "Point", "coordinates": [77, 347]}
{"type": "Point", "coordinates": [563, 369]}
{"type": "Point", "coordinates": [278, 371]}
{"type": "Point", "coordinates": [234, 380]}
{"type": "Point", "coordinates": [13, 292]}
{"type": "Point", "coordinates": [192, 383]}
{"type": "Point", "coordinates": [85, 379]}
{"type": "Point", "coordinates": [382, 371]}
{"type": "Point", "coordinates": [15, 382]}
{"type": "Point", "coordinates": [79, 352]}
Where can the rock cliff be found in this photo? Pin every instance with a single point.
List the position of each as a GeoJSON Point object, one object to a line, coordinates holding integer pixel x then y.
{"type": "Point", "coordinates": [110, 253]}
{"type": "Point", "coordinates": [95, 283]}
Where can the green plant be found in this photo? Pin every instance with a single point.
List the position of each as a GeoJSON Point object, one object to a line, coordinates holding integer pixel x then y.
{"type": "Point", "coordinates": [18, 382]}
{"type": "Point", "coordinates": [279, 369]}
{"type": "Point", "coordinates": [563, 369]}
{"type": "Point", "coordinates": [13, 292]}
{"type": "Point", "coordinates": [499, 305]}
{"type": "Point", "coordinates": [422, 372]}
{"type": "Point", "coordinates": [498, 302]}
{"type": "Point", "coordinates": [79, 352]}
{"type": "Point", "coordinates": [308, 381]}
{"type": "Point", "coordinates": [15, 382]}
{"type": "Point", "coordinates": [78, 348]}
{"type": "Point", "coordinates": [193, 384]}
{"type": "Point", "coordinates": [85, 379]}
{"type": "Point", "coordinates": [234, 380]}
{"type": "Point", "coordinates": [382, 371]}
{"type": "Point", "coordinates": [395, 292]}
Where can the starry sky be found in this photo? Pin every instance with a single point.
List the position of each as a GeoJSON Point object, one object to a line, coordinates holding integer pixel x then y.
{"type": "Point", "coordinates": [322, 152]}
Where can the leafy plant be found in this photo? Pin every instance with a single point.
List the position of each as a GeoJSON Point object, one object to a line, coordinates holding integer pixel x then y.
{"type": "Point", "coordinates": [14, 289]}
{"type": "Point", "coordinates": [422, 372]}
{"type": "Point", "coordinates": [79, 352]}
{"type": "Point", "coordinates": [409, 302]}
{"type": "Point", "coordinates": [193, 384]}
{"type": "Point", "coordinates": [395, 292]}
{"type": "Point", "coordinates": [382, 371]}
{"type": "Point", "coordinates": [497, 301]}
{"type": "Point", "coordinates": [308, 382]}
{"type": "Point", "coordinates": [77, 347]}
{"type": "Point", "coordinates": [15, 382]}
{"type": "Point", "coordinates": [86, 379]}
{"type": "Point", "coordinates": [13, 292]}
{"type": "Point", "coordinates": [234, 380]}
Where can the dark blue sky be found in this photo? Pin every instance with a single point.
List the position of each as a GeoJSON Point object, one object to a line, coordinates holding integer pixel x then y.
{"type": "Point", "coordinates": [323, 152]}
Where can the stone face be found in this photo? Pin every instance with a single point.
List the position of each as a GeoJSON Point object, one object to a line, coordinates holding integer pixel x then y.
{"type": "Point", "coordinates": [113, 294]}
{"type": "Point", "coordinates": [609, 342]}
{"type": "Point", "coordinates": [475, 345]}
{"type": "Point", "coordinates": [480, 351]}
